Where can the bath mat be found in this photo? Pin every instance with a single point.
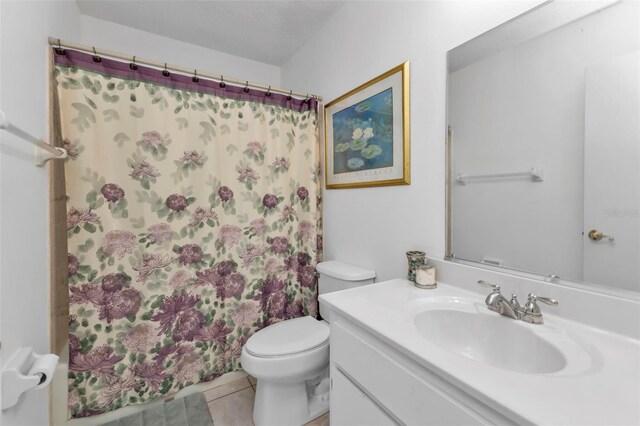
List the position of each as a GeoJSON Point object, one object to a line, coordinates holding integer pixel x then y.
{"type": "Point", "coordinates": [190, 410]}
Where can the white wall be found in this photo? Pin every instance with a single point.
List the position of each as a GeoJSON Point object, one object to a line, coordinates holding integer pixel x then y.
{"type": "Point", "coordinates": [524, 107]}
{"type": "Point", "coordinates": [373, 227]}
{"type": "Point", "coordinates": [24, 28]}
{"type": "Point", "coordinates": [127, 40]}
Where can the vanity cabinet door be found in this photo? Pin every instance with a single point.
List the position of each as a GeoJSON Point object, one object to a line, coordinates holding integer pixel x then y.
{"type": "Point", "coordinates": [403, 392]}
{"type": "Point", "coordinates": [351, 407]}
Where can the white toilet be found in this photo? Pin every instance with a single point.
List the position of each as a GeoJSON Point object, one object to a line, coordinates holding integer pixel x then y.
{"type": "Point", "coordinates": [290, 359]}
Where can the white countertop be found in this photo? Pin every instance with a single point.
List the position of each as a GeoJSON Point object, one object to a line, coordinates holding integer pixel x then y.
{"type": "Point", "coordinates": [605, 390]}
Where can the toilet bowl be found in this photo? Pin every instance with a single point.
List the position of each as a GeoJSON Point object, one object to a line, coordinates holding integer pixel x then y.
{"type": "Point", "coordinates": [290, 359]}
{"type": "Point", "coordinates": [286, 358]}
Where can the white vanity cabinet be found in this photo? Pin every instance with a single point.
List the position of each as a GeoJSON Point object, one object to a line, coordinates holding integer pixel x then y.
{"type": "Point", "coordinates": [402, 355]}
{"type": "Point", "coordinates": [373, 384]}
{"type": "Point", "coordinates": [354, 407]}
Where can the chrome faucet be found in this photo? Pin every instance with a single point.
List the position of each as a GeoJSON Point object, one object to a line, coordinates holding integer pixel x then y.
{"type": "Point", "coordinates": [496, 302]}
{"type": "Point", "coordinates": [530, 312]}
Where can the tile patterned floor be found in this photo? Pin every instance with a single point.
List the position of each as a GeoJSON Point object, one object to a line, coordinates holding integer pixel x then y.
{"type": "Point", "coordinates": [229, 397]}
{"type": "Point", "coordinates": [231, 404]}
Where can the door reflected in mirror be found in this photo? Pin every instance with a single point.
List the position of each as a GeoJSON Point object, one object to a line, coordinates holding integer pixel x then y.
{"type": "Point", "coordinates": [544, 144]}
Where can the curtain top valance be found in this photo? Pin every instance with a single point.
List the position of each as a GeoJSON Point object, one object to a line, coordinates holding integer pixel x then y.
{"type": "Point", "coordinates": [74, 58]}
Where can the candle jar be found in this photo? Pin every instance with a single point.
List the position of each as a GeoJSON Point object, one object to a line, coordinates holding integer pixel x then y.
{"type": "Point", "coordinates": [426, 276]}
{"type": "Point", "coordinates": [415, 259]}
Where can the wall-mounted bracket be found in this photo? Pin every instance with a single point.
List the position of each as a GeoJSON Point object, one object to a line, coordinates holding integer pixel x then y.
{"type": "Point", "coordinates": [43, 151]}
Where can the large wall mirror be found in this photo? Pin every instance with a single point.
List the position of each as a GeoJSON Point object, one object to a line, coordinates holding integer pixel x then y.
{"type": "Point", "coordinates": [544, 145]}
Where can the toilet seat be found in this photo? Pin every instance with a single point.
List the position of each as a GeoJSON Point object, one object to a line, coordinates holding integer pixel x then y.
{"type": "Point", "coordinates": [289, 337]}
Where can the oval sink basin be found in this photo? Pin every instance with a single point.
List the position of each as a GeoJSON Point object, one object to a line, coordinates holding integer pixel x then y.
{"type": "Point", "coordinates": [491, 339]}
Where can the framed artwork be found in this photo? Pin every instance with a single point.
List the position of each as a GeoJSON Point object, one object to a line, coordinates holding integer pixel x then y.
{"type": "Point", "coordinates": [367, 134]}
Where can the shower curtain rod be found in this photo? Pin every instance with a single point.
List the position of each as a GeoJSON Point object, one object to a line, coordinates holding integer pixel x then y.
{"type": "Point", "coordinates": [56, 42]}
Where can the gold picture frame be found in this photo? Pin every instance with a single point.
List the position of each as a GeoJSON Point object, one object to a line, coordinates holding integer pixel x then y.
{"type": "Point", "coordinates": [367, 134]}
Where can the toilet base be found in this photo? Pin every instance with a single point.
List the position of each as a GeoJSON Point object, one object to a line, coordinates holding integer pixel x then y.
{"type": "Point", "coordinates": [287, 404]}
{"type": "Point", "coordinates": [318, 405]}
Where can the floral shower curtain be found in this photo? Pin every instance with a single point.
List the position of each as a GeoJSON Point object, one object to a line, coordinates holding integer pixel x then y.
{"type": "Point", "coordinates": [193, 219]}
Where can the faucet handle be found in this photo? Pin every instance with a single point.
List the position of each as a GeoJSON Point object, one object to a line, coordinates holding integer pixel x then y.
{"type": "Point", "coordinates": [496, 288]}
{"type": "Point", "coordinates": [531, 307]}
{"type": "Point", "coordinates": [493, 299]}
{"type": "Point", "coordinates": [531, 311]}
{"type": "Point", "coordinates": [547, 300]}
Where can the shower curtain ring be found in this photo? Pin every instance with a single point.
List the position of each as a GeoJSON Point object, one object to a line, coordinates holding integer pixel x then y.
{"type": "Point", "coordinates": [195, 78]}
{"type": "Point", "coordinates": [222, 83]}
{"type": "Point", "coordinates": [268, 92]}
{"type": "Point", "coordinates": [290, 95]}
{"type": "Point", "coordinates": [96, 57]}
{"type": "Point", "coordinates": [246, 87]}
{"type": "Point", "coordinates": [59, 50]}
{"type": "Point", "coordinates": [165, 71]}
{"type": "Point", "coordinates": [133, 64]}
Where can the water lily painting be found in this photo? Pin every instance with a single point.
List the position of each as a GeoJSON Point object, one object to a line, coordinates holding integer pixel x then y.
{"type": "Point", "coordinates": [367, 133]}
{"type": "Point", "coordinates": [363, 134]}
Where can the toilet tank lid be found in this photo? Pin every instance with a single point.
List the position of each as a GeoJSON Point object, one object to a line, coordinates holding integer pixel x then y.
{"type": "Point", "coordinates": [344, 271]}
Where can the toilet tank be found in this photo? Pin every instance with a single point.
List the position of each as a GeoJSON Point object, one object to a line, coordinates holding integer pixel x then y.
{"type": "Point", "coordinates": [337, 276]}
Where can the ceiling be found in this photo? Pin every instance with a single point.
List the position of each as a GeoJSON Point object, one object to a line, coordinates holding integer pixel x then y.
{"type": "Point", "coordinates": [269, 31]}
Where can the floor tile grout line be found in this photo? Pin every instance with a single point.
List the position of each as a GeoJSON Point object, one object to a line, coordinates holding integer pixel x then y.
{"type": "Point", "coordinates": [229, 394]}
{"type": "Point", "coordinates": [227, 383]}
{"type": "Point", "coordinates": [222, 396]}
